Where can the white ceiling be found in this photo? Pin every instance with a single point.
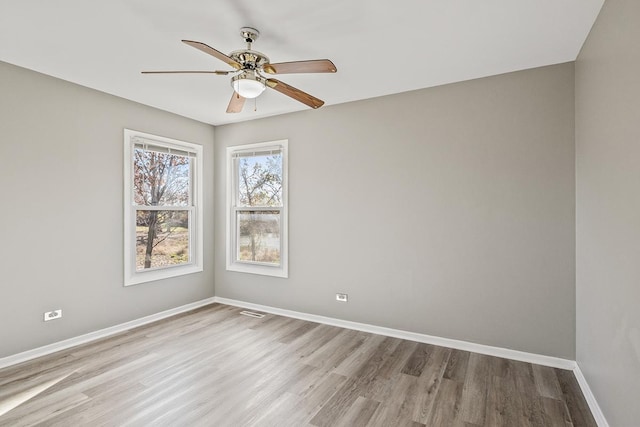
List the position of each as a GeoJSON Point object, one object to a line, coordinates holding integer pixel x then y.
{"type": "Point", "coordinates": [379, 47]}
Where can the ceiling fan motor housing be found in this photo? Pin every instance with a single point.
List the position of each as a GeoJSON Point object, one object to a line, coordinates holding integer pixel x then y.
{"type": "Point", "coordinates": [250, 59]}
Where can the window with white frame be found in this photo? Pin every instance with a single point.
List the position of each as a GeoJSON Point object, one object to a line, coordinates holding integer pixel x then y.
{"type": "Point", "coordinates": [257, 208]}
{"type": "Point", "coordinates": [162, 207]}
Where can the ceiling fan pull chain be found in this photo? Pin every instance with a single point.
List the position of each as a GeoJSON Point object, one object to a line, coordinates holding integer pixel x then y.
{"type": "Point", "coordinates": [255, 104]}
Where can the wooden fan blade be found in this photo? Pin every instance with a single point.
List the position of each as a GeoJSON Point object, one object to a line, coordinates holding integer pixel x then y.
{"type": "Point", "coordinates": [215, 53]}
{"type": "Point", "coordinates": [219, 73]}
{"type": "Point", "coordinates": [236, 103]}
{"type": "Point", "coordinates": [294, 93]}
{"type": "Point", "coordinates": [315, 66]}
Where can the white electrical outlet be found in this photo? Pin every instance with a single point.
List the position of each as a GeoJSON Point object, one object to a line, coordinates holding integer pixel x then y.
{"type": "Point", "coordinates": [342, 297]}
{"type": "Point", "coordinates": [52, 315]}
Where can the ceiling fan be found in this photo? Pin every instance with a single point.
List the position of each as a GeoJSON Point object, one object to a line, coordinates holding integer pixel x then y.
{"type": "Point", "coordinates": [249, 68]}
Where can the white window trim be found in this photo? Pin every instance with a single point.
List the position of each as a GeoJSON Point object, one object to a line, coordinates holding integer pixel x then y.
{"type": "Point", "coordinates": [131, 276]}
{"type": "Point", "coordinates": [231, 186]}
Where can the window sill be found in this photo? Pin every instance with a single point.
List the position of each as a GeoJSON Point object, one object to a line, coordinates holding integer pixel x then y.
{"type": "Point", "coordinates": [261, 270]}
{"type": "Point", "coordinates": [165, 273]}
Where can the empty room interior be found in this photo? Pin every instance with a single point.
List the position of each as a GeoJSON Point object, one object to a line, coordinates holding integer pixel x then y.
{"type": "Point", "coordinates": [413, 213]}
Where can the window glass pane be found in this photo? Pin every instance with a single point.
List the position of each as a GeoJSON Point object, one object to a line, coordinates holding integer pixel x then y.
{"type": "Point", "coordinates": [259, 180]}
{"type": "Point", "coordinates": [259, 236]}
{"type": "Point", "coordinates": [162, 239]}
{"type": "Point", "coordinates": [160, 179]}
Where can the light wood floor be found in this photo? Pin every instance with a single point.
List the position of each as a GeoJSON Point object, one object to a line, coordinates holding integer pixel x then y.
{"type": "Point", "coordinates": [215, 367]}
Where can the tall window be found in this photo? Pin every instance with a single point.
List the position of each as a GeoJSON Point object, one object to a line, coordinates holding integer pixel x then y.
{"type": "Point", "coordinates": [257, 208]}
{"type": "Point", "coordinates": [162, 207]}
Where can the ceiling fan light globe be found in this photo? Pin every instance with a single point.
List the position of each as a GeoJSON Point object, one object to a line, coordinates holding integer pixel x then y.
{"type": "Point", "coordinates": [248, 88]}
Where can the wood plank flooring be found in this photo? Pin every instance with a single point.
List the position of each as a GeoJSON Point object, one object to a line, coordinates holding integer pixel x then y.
{"type": "Point", "coordinates": [215, 367]}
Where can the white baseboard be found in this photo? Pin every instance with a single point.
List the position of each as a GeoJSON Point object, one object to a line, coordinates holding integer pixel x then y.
{"type": "Point", "coordinates": [553, 362]}
{"type": "Point", "coordinates": [590, 398]}
{"type": "Point", "coordinates": [91, 336]}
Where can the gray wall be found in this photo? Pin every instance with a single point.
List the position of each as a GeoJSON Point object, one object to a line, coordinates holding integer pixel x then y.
{"type": "Point", "coordinates": [61, 243]}
{"type": "Point", "coordinates": [447, 211]}
{"type": "Point", "coordinates": [608, 211]}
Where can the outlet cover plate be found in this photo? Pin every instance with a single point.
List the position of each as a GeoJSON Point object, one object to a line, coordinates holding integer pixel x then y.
{"type": "Point", "coordinates": [342, 297]}
{"type": "Point", "coordinates": [52, 315]}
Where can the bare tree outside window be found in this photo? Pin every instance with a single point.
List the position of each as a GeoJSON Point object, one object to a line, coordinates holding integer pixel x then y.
{"type": "Point", "coordinates": [259, 185]}
{"type": "Point", "coordinates": [162, 182]}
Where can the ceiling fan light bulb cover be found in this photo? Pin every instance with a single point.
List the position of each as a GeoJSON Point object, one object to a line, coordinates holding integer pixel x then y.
{"type": "Point", "coordinates": [248, 88]}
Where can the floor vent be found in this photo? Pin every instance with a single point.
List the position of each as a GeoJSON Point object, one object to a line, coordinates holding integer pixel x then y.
{"type": "Point", "coordinates": [252, 314]}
